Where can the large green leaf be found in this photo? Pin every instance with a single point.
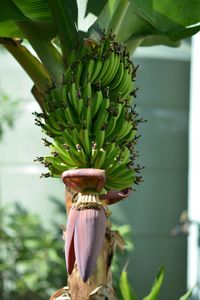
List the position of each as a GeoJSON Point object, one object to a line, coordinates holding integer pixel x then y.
{"type": "Point", "coordinates": [181, 12]}
{"type": "Point", "coordinates": [20, 10]}
{"type": "Point", "coordinates": [37, 10]}
{"type": "Point", "coordinates": [95, 7]}
{"type": "Point", "coordinates": [155, 290]}
{"type": "Point", "coordinates": [25, 10]}
{"type": "Point", "coordinates": [168, 17]}
{"type": "Point", "coordinates": [9, 11]}
{"type": "Point", "coordinates": [65, 14]}
{"type": "Point", "coordinates": [167, 29]}
{"type": "Point", "coordinates": [105, 17]}
{"type": "Point", "coordinates": [152, 22]}
{"type": "Point", "coordinates": [9, 29]}
{"type": "Point", "coordinates": [125, 288]}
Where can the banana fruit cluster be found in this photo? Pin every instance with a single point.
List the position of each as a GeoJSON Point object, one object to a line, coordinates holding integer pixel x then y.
{"type": "Point", "coordinates": [90, 117]}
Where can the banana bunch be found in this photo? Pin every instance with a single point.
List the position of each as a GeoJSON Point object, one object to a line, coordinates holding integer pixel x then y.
{"type": "Point", "coordinates": [90, 117]}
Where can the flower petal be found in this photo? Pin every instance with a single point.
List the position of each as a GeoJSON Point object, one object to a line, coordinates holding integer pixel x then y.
{"type": "Point", "coordinates": [89, 235]}
{"type": "Point", "coordinates": [69, 239]}
{"type": "Point", "coordinates": [114, 196]}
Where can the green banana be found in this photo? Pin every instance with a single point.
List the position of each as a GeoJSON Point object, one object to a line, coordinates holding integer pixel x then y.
{"type": "Point", "coordinates": [130, 136]}
{"type": "Point", "coordinates": [125, 156]}
{"type": "Point", "coordinates": [111, 158]}
{"type": "Point", "coordinates": [70, 116]}
{"type": "Point", "coordinates": [100, 158]}
{"type": "Point", "coordinates": [116, 62]}
{"type": "Point", "coordinates": [73, 153]}
{"type": "Point", "coordinates": [79, 69]}
{"type": "Point", "coordinates": [127, 88]}
{"type": "Point", "coordinates": [60, 116]}
{"type": "Point", "coordinates": [117, 171]}
{"type": "Point", "coordinates": [119, 124]}
{"type": "Point", "coordinates": [111, 125]}
{"type": "Point", "coordinates": [68, 139]}
{"type": "Point", "coordinates": [124, 181]}
{"type": "Point", "coordinates": [122, 85]}
{"type": "Point", "coordinates": [82, 156]}
{"type": "Point", "coordinates": [56, 95]}
{"type": "Point", "coordinates": [86, 115]}
{"type": "Point", "coordinates": [94, 154]}
{"type": "Point", "coordinates": [88, 72]}
{"type": "Point", "coordinates": [109, 71]}
{"type": "Point", "coordinates": [51, 132]}
{"type": "Point", "coordinates": [85, 139]}
{"type": "Point", "coordinates": [60, 158]}
{"type": "Point", "coordinates": [114, 70]}
{"type": "Point", "coordinates": [124, 130]}
{"type": "Point", "coordinates": [96, 103]}
{"type": "Point", "coordinates": [67, 75]}
{"type": "Point", "coordinates": [118, 77]}
{"type": "Point", "coordinates": [109, 149]}
{"type": "Point", "coordinates": [51, 159]}
{"type": "Point", "coordinates": [75, 136]}
{"type": "Point", "coordinates": [52, 122]}
{"type": "Point", "coordinates": [96, 70]}
{"type": "Point", "coordinates": [100, 138]}
{"type": "Point", "coordinates": [62, 153]}
{"type": "Point", "coordinates": [73, 97]}
{"type": "Point", "coordinates": [65, 96]}
{"type": "Point", "coordinates": [101, 121]}
{"type": "Point", "coordinates": [87, 92]}
{"type": "Point", "coordinates": [103, 70]}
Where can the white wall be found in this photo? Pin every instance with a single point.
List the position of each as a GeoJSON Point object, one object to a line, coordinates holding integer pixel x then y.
{"type": "Point", "coordinates": [19, 175]}
{"type": "Point", "coordinates": [194, 162]}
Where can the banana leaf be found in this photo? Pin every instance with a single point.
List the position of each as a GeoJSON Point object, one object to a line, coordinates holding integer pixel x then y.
{"type": "Point", "coordinates": [155, 290]}
{"type": "Point", "coordinates": [187, 295]}
{"type": "Point", "coordinates": [125, 288]}
{"type": "Point", "coordinates": [36, 11]}
{"type": "Point", "coordinates": [166, 22]}
{"type": "Point", "coordinates": [152, 21]}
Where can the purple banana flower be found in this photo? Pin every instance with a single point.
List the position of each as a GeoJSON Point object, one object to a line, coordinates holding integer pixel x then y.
{"type": "Point", "coordinates": [84, 239]}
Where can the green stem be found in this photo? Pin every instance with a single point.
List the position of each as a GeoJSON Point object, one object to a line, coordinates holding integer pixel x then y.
{"type": "Point", "coordinates": [48, 54]}
{"type": "Point", "coordinates": [39, 97]}
{"type": "Point", "coordinates": [134, 43]}
{"type": "Point", "coordinates": [29, 63]}
{"type": "Point", "coordinates": [118, 16]}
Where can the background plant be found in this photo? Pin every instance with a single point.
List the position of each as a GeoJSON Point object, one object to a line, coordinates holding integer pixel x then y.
{"type": "Point", "coordinates": [9, 110]}
{"type": "Point", "coordinates": [31, 256]}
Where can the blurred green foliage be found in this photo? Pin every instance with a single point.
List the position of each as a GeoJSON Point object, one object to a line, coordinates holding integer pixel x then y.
{"type": "Point", "coordinates": [32, 263]}
{"type": "Point", "coordinates": [9, 109]}
{"type": "Point", "coordinates": [120, 258]}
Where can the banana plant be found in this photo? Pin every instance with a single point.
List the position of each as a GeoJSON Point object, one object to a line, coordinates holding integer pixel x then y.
{"type": "Point", "coordinates": [84, 84]}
